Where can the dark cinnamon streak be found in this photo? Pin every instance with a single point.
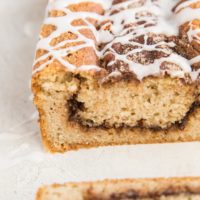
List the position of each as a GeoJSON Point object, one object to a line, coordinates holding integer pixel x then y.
{"type": "Point", "coordinates": [135, 195]}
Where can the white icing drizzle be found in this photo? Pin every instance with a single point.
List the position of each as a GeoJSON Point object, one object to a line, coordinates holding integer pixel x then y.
{"type": "Point", "coordinates": [158, 19]}
{"type": "Point", "coordinates": [61, 23]}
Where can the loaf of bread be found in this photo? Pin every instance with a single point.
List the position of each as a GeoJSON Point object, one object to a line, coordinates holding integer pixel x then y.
{"type": "Point", "coordinates": [132, 189]}
{"type": "Point", "coordinates": [118, 72]}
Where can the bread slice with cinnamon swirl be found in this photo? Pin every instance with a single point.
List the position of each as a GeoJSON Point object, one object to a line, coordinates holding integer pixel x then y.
{"type": "Point", "coordinates": [130, 189]}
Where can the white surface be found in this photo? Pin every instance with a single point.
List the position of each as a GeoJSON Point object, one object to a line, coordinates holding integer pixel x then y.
{"type": "Point", "coordinates": [24, 166]}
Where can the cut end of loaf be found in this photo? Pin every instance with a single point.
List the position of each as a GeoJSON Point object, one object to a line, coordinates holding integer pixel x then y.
{"type": "Point", "coordinates": [156, 103]}
{"type": "Point", "coordinates": [73, 107]}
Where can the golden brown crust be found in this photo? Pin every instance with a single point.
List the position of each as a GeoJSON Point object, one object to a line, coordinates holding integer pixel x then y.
{"type": "Point", "coordinates": [87, 7]}
{"type": "Point", "coordinates": [39, 194]}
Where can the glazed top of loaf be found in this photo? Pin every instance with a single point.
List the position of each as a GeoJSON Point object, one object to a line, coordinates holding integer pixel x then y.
{"type": "Point", "coordinates": [139, 37]}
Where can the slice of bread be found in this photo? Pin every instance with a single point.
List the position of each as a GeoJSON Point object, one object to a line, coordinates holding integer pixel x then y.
{"type": "Point", "coordinates": [127, 189]}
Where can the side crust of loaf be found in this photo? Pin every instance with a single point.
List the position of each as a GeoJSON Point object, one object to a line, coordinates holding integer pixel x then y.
{"type": "Point", "coordinates": [159, 188]}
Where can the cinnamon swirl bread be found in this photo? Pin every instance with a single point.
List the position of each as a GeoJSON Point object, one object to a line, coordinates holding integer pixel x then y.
{"type": "Point", "coordinates": [135, 189]}
{"type": "Point", "coordinates": [118, 72]}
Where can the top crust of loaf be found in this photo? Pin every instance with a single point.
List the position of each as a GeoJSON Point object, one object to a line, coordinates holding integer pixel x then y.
{"type": "Point", "coordinates": [119, 189]}
{"type": "Point", "coordinates": [82, 46]}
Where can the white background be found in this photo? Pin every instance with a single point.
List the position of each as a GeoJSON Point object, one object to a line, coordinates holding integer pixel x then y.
{"type": "Point", "coordinates": [24, 166]}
